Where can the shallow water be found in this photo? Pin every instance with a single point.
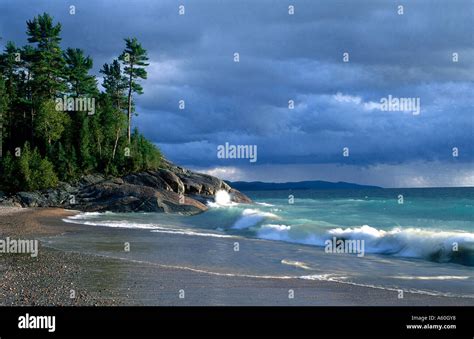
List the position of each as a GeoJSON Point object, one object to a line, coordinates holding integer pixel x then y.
{"type": "Point", "coordinates": [407, 246]}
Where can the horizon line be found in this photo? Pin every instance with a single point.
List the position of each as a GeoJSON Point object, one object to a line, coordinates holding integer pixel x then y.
{"type": "Point", "coordinates": [344, 182]}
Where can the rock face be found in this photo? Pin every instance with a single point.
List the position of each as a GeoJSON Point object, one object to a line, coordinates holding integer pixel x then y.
{"type": "Point", "coordinates": [171, 189]}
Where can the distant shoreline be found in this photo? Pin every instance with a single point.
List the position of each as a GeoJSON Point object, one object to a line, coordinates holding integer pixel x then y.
{"type": "Point", "coordinates": [300, 185]}
{"type": "Point", "coordinates": [318, 185]}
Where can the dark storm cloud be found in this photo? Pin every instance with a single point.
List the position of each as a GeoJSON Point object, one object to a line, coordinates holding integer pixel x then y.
{"type": "Point", "coordinates": [286, 57]}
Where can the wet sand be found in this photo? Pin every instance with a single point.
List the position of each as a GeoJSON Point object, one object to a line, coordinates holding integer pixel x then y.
{"type": "Point", "coordinates": [54, 276]}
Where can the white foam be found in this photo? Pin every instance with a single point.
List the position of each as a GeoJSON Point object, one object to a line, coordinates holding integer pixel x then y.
{"type": "Point", "coordinates": [410, 242]}
{"type": "Point", "coordinates": [88, 215]}
{"type": "Point", "coordinates": [213, 204]}
{"type": "Point", "coordinates": [274, 232]}
{"type": "Point", "coordinates": [284, 233]}
{"type": "Point", "coordinates": [116, 224]}
{"type": "Point", "coordinates": [295, 263]}
{"type": "Point", "coordinates": [251, 217]}
{"type": "Point", "coordinates": [153, 227]}
{"type": "Point", "coordinates": [193, 233]}
{"type": "Point", "coordinates": [342, 280]}
{"type": "Point", "coordinates": [323, 277]}
{"type": "Point", "coordinates": [438, 277]}
{"type": "Point", "coordinates": [264, 204]}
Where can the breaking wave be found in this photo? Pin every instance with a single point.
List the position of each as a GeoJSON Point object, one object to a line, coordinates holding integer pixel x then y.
{"type": "Point", "coordinates": [438, 246]}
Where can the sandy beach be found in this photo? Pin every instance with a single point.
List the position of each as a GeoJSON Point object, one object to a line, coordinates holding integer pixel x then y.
{"type": "Point", "coordinates": [54, 276]}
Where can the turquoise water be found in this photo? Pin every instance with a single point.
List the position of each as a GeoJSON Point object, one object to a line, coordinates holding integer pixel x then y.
{"type": "Point", "coordinates": [424, 223]}
{"type": "Point", "coordinates": [431, 224]}
{"type": "Point", "coordinates": [425, 244]}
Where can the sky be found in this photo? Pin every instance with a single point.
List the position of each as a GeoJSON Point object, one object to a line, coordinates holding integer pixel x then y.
{"type": "Point", "coordinates": [300, 57]}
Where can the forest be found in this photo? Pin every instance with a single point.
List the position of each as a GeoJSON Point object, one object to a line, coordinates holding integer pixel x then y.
{"type": "Point", "coordinates": [57, 123]}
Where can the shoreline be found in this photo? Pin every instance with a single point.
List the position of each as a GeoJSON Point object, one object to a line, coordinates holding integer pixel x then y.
{"type": "Point", "coordinates": [98, 280]}
{"type": "Point", "coordinates": [49, 278]}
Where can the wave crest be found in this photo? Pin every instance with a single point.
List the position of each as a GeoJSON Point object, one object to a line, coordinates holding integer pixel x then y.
{"type": "Point", "coordinates": [438, 246]}
{"type": "Point", "coordinates": [251, 217]}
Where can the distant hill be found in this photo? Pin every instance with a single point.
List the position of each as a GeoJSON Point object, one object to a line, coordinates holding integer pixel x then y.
{"type": "Point", "coordinates": [301, 185]}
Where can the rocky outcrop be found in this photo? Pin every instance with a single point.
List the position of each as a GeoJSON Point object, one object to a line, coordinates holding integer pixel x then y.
{"type": "Point", "coordinates": [239, 197]}
{"type": "Point", "coordinates": [171, 189]}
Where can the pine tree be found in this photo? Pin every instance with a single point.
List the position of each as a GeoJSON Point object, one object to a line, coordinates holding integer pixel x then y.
{"type": "Point", "coordinates": [88, 160]}
{"type": "Point", "coordinates": [115, 84]}
{"type": "Point", "coordinates": [32, 77]}
{"type": "Point", "coordinates": [9, 68]}
{"type": "Point", "coordinates": [134, 59]}
{"type": "Point", "coordinates": [9, 169]}
{"type": "Point", "coordinates": [77, 71]}
{"type": "Point", "coordinates": [3, 113]}
{"type": "Point", "coordinates": [65, 163]}
{"type": "Point", "coordinates": [48, 63]}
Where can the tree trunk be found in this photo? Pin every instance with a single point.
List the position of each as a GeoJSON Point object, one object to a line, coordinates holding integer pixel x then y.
{"type": "Point", "coordinates": [99, 143]}
{"type": "Point", "coordinates": [129, 134]}
{"type": "Point", "coordinates": [116, 143]}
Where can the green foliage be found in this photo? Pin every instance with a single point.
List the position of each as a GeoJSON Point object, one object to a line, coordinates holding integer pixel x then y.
{"type": "Point", "coordinates": [67, 144]}
{"type": "Point", "coordinates": [88, 161]}
{"type": "Point", "coordinates": [50, 123]}
{"type": "Point", "coordinates": [77, 68]}
{"type": "Point", "coordinates": [3, 110]}
{"type": "Point", "coordinates": [9, 169]}
{"type": "Point", "coordinates": [28, 172]}
{"type": "Point", "coordinates": [134, 59]}
{"type": "Point", "coordinates": [9, 68]}
{"type": "Point", "coordinates": [48, 69]}
{"type": "Point", "coordinates": [115, 84]}
{"type": "Point", "coordinates": [143, 154]}
{"type": "Point", "coordinates": [65, 161]}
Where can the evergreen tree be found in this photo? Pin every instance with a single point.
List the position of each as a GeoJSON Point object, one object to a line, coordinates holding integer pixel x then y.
{"type": "Point", "coordinates": [65, 162]}
{"type": "Point", "coordinates": [33, 171]}
{"type": "Point", "coordinates": [8, 89]}
{"type": "Point", "coordinates": [56, 145]}
{"type": "Point", "coordinates": [115, 84]}
{"type": "Point", "coordinates": [88, 161]}
{"type": "Point", "coordinates": [9, 66]}
{"type": "Point", "coordinates": [3, 112]}
{"type": "Point", "coordinates": [134, 59]}
{"type": "Point", "coordinates": [10, 169]}
{"type": "Point", "coordinates": [48, 62]}
{"type": "Point", "coordinates": [77, 70]}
